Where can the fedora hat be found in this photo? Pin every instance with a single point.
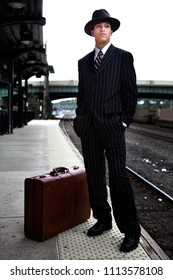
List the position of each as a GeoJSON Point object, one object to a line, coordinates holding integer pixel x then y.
{"type": "Point", "coordinates": [101, 16]}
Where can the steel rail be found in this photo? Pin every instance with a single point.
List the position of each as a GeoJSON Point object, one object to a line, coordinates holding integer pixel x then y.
{"type": "Point", "coordinates": [151, 185]}
{"type": "Point", "coordinates": [152, 134]}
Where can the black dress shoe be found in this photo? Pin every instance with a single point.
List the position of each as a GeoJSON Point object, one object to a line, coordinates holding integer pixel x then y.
{"type": "Point", "coordinates": [129, 243]}
{"type": "Point", "coordinates": [98, 229]}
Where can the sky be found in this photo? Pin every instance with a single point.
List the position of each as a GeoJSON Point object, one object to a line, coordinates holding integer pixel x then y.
{"type": "Point", "coordinates": [146, 31]}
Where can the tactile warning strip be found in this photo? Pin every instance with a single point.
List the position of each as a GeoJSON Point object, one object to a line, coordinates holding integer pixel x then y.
{"type": "Point", "coordinates": [74, 244]}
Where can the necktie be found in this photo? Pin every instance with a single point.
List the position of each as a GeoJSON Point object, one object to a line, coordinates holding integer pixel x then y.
{"type": "Point", "coordinates": [98, 59]}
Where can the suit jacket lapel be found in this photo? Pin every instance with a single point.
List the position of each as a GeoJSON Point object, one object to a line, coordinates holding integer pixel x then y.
{"type": "Point", "coordinates": [107, 57]}
{"type": "Point", "coordinates": [91, 61]}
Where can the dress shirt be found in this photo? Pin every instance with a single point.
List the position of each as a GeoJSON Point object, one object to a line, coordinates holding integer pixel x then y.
{"type": "Point", "coordinates": [103, 50]}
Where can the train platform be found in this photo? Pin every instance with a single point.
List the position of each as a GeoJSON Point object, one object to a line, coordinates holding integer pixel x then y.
{"type": "Point", "coordinates": [34, 150]}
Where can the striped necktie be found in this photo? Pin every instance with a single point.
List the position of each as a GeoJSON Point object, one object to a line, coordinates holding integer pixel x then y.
{"type": "Point", "coordinates": [98, 60]}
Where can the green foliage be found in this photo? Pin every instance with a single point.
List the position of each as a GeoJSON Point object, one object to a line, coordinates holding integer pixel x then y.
{"type": "Point", "coordinates": [34, 105]}
{"type": "Point", "coordinates": [69, 104]}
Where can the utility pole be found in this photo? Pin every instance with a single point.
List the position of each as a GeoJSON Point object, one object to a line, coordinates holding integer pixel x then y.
{"type": "Point", "coordinates": [10, 95]}
{"type": "Point", "coordinates": [45, 96]}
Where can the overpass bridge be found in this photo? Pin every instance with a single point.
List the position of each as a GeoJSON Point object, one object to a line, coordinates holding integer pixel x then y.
{"type": "Point", "coordinates": [53, 90]}
{"type": "Point", "coordinates": [66, 89]}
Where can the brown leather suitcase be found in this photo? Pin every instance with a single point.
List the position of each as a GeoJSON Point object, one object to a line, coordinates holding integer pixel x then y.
{"type": "Point", "coordinates": [55, 202]}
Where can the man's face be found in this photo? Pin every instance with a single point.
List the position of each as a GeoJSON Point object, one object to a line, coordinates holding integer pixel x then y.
{"type": "Point", "coordinates": [102, 33]}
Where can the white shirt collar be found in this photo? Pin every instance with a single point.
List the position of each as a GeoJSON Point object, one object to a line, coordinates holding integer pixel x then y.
{"type": "Point", "coordinates": [103, 50]}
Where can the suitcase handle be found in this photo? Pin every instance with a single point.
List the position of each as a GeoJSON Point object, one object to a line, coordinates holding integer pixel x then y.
{"type": "Point", "coordinates": [61, 169]}
{"type": "Point", "coordinates": [58, 170]}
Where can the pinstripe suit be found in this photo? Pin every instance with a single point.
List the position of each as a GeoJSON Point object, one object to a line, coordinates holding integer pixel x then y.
{"type": "Point", "coordinates": [107, 98]}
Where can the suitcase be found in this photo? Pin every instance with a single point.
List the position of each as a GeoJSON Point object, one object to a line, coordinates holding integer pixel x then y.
{"type": "Point", "coordinates": [55, 202]}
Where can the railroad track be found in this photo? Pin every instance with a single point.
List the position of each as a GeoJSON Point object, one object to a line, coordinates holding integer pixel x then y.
{"type": "Point", "coordinates": [161, 193]}
{"type": "Point", "coordinates": [154, 207]}
{"type": "Point", "coordinates": [158, 133]}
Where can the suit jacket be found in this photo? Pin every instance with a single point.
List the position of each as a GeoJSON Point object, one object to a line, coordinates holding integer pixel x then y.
{"type": "Point", "coordinates": [108, 96]}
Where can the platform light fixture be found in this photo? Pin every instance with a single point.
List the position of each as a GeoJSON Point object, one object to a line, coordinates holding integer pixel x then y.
{"type": "Point", "coordinates": [31, 58]}
{"type": "Point", "coordinates": [17, 4]}
{"type": "Point", "coordinates": [26, 38]}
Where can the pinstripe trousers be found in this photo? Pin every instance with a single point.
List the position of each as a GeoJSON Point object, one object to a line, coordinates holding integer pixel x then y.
{"type": "Point", "coordinates": [95, 152]}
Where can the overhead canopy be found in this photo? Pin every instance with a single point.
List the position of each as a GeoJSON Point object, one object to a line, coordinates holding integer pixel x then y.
{"type": "Point", "coordinates": [21, 39]}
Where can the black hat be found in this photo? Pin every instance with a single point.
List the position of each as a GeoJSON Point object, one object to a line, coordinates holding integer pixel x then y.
{"type": "Point", "coordinates": [101, 16]}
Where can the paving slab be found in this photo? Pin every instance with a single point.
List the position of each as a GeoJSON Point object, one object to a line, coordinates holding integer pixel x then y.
{"type": "Point", "coordinates": [34, 150]}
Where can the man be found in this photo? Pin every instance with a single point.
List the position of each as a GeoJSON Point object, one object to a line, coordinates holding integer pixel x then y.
{"type": "Point", "coordinates": [106, 104]}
